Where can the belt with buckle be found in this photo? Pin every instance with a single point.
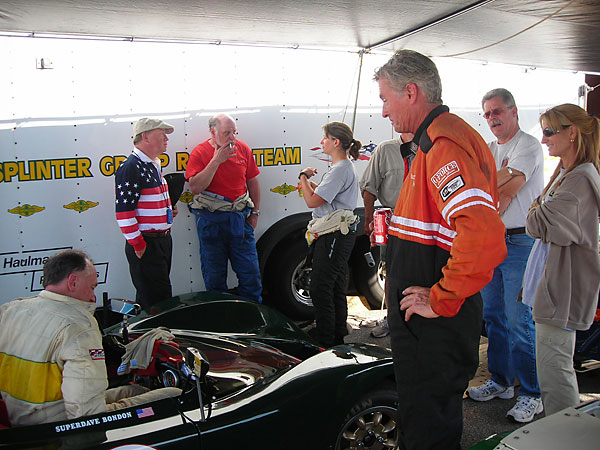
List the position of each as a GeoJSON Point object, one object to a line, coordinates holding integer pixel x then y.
{"type": "Point", "coordinates": [156, 234]}
{"type": "Point", "coordinates": [511, 231]}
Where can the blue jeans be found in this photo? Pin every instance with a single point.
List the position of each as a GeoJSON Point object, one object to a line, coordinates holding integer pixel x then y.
{"type": "Point", "coordinates": [508, 322]}
{"type": "Point", "coordinates": [227, 236]}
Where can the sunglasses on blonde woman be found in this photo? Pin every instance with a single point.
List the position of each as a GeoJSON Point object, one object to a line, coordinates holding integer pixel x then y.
{"type": "Point", "coordinates": [549, 131]}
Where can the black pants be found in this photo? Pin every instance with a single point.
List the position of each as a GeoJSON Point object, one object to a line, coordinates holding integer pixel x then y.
{"type": "Point", "coordinates": [328, 286]}
{"type": "Point", "coordinates": [150, 274]}
{"type": "Point", "coordinates": [434, 359]}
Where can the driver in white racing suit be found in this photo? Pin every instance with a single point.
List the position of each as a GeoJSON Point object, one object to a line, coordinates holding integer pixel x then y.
{"type": "Point", "coordinates": [51, 356]}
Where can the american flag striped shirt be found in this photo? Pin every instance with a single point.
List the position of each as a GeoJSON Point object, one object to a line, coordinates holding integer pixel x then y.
{"type": "Point", "coordinates": [141, 197]}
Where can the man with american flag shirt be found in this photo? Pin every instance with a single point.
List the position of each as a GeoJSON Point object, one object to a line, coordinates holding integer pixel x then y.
{"type": "Point", "coordinates": [145, 214]}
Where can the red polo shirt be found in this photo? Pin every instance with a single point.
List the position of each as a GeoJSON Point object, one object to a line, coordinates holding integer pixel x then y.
{"type": "Point", "coordinates": [231, 176]}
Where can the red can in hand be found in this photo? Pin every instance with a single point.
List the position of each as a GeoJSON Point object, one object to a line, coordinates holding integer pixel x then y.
{"type": "Point", "coordinates": [381, 222]}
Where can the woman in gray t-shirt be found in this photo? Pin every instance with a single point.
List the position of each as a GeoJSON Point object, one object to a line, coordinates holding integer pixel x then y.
{"type": "Point", "coordinates": [338, 190]}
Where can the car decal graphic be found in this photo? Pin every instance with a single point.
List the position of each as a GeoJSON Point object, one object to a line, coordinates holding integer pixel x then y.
{"type": "Point", "coordinates": [78, 424]}
{"type": "Point", "coordinates": [26, 210]}
{"type": "Point", "coordinates": [91, 422]}
{"type": "Point", "coordinates": [81, 205]}
{"type": "Point", "coordinates": [444, 173]}
{"type": "Point", "coordinates": [115, 417]}
{"type": "Point", "coordinates": [145, 412]}
{"type": "Point", "coordinates": [96, 353]}
{"type": "Point", "coordinates": [451, 187]}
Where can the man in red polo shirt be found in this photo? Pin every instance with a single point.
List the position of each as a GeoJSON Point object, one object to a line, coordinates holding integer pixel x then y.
{"type": "Point", "coordinates": [223, 176]}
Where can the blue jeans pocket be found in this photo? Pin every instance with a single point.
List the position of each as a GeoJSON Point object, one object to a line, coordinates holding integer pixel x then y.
{"type": "Point", "coordinates": [521, 240]}
{"type": "Point", "coordinates": [207, 230]}
{"type": "Point", "coordinates": [248, 231]}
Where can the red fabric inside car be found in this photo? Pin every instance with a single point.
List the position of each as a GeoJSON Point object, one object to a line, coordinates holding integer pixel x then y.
{"type": "Point", "coordinates": [4, 422]}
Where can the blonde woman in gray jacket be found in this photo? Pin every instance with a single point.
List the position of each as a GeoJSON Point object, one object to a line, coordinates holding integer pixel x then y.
{"type": "Point", "coordinates": [563, 271]}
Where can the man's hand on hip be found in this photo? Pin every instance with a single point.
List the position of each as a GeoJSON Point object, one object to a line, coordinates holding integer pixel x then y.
{"type": "Point", "coordinates": [416, 301]}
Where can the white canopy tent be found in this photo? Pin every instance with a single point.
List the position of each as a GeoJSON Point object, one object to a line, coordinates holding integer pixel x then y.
{"type": "Point", "coordinates": [560, 34]}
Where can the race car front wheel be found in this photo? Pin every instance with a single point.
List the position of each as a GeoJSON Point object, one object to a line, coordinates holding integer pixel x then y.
{"type": "Point", "coordinates": [371, 423]}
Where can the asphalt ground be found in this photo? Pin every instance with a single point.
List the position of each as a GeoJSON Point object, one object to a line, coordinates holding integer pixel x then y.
{"type": "Point", "coordinates": [481, 419]}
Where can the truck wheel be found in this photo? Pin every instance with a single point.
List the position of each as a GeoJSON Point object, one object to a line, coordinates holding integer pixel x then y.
{"type": "Point", "coordinates": [369, 281]}
{"type": "Point", "coordinates": [293, 281]}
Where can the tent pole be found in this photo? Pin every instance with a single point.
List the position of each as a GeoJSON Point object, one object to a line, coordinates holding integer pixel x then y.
{"type": "Point", "coordinates": [360, 57]}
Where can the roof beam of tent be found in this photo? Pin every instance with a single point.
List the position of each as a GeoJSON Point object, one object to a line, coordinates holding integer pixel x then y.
{"type": "Point", "coordinates": [420, 28]}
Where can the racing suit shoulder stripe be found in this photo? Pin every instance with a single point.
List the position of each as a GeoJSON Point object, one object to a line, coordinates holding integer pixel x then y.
{"type": "Point", "coordinates": [470, 204]}
{"type": "Point", "coordinates": [470, 197]}
{"type": "Point", "coordinates": [425, 226]}
{"type": "Point", "coordinates": [428, 233]}
{"type": "Point", "coordinates": [47, 378]}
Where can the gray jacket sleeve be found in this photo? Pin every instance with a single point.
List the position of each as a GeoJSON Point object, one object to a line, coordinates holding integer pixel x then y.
{"type": "Point", "coordinates": [557, 220]}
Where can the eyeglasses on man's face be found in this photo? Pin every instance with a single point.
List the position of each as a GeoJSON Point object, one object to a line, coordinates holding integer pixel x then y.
{"type": "Point", "coordinates": [495, 112]}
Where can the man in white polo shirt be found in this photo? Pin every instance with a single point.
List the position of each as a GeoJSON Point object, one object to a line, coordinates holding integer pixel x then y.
{"type": "Point", "coordinates": [509, 325]}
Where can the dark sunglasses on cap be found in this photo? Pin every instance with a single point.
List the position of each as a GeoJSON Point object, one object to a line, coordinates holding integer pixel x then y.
{"type": "Point", "coordinates": [549, 131]}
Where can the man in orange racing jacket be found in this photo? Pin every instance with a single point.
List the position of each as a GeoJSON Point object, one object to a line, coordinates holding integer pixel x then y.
{"type": "Point", "coordinates": [445, 239]}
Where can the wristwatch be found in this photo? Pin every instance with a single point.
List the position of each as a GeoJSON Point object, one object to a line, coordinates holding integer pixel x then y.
{"type": "Point", "coordinates": [510, 171]}
{"type": "Point", "coordinates": [257, 212]}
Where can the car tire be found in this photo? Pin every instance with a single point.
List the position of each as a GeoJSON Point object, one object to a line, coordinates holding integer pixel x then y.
{"type": "Point", "coordinates": [369, 281]}
{"type": "Point", "coordinates": [292, 281]}
{"type": "Point", "coordinates": [371, 423]}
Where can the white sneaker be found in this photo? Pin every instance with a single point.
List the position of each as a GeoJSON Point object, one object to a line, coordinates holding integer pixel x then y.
{"type": "Point", "coordinates": [382, 330]}
{"type": "Point", "coordinates": [489, 390]}
{"type": "Point", "coordinates": [526, 408]}
{"type": "Point", "coordinates": [370, 323]}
